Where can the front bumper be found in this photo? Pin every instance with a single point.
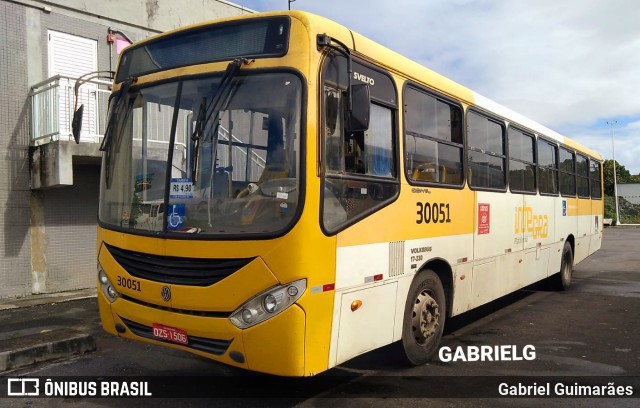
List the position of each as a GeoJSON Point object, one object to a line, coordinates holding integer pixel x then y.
{"type": "Point", "coordinates": [275, 346]}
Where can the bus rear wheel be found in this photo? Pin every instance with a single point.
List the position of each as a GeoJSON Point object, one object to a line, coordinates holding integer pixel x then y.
{"type": "Point", "coordinates": [562, 280]}
{"type": "Point", "coordinates": [424, 318]}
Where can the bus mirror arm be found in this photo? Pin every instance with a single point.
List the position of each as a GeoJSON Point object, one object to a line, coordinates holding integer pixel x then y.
{"type": "Point", "coordinates": [76, 122]}
{"type": "Point", "coordinates": [358, 96]}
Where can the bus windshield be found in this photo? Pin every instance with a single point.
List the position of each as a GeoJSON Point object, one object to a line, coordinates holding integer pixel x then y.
{"type": "Point", "coordinates": [232, 171]}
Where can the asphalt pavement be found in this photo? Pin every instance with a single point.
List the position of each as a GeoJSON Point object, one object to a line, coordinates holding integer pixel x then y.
{"type": "Point", "coordinates": [589, 333]}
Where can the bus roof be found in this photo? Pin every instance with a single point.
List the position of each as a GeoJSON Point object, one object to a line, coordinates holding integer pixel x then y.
{"type": "Point", "coordinates": [402, 66]}
{"type": "Point", "coordinates": [412, 70]}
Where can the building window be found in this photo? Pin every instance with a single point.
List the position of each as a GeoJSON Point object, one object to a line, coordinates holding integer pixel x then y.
{"type": "Point", "coordinates": [71, 57]}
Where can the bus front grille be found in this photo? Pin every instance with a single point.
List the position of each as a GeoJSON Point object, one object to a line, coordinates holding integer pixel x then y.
{"type": "Point", "coordinates": [213, 346]}
{"type": "Point", "coordinates": [175, 270]}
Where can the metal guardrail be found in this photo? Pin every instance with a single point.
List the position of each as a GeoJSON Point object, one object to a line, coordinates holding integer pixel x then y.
{"type": "Point", "coordinates": [52, 103]}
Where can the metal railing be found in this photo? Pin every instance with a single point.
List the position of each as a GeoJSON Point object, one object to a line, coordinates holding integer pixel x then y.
{"type": "Point", "coordinates": [52, 104]}
{"type": "Point", "coordinates": [244, 159]}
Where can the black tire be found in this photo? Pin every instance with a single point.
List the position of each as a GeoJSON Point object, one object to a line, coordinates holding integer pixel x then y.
{"type": "Point", "coordinates": [562, 280]}
{"type": "Point", "coordinates": [424, 317]}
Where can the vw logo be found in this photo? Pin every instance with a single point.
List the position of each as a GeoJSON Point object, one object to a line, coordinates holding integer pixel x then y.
{"type": "Point", "coordinates": [166, 293]}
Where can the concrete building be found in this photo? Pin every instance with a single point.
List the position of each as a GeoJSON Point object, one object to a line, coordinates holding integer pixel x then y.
{"type": "Point", "coordinates": [48, 184]}
{"type": "Point", "coordinates": [630, 192]}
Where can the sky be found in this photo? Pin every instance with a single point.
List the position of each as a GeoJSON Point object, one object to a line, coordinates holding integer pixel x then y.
{"type": "Point", "coordinates": [571, 65]}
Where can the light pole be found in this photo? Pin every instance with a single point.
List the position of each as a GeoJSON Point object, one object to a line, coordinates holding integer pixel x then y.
{"type": "Point", "coordinates": [615, 182]}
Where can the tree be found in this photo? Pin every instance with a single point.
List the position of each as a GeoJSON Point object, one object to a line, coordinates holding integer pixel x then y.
{"type": "Point", "coordinates": [622, 176]}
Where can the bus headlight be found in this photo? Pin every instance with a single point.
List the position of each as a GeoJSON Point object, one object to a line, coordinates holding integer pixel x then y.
{"type": "Point", "coordinates": [107, 288]}
{"type": "Point", "coordinates": [268, 304]}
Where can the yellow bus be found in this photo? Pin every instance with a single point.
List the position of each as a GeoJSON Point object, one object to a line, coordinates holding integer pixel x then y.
{"type": "Point", "coordinates": [281, 194]}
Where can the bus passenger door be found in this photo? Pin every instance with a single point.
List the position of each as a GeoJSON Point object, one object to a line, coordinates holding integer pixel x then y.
{"type": "Point", "coordinates": [497, 246]}
{"type": "Point", "coordinates": [538, 219]}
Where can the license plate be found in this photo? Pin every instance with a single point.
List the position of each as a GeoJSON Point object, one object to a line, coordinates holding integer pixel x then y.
{"type": "Point", "coordinates": [173, 334]}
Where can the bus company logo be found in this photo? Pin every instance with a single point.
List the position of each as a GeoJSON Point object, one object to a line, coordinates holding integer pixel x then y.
{"type": "Point", "coordinates": [166, 293]}
{"type": "Point", "coordinates": [526, 222]}
{"type": "Point", "coordinates": [363, 78]}
{"type": "Point", "coordinates": [23, 387]}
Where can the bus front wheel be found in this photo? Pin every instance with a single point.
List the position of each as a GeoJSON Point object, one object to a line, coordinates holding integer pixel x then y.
{"type": "Point", "coordinates": [424, 317]}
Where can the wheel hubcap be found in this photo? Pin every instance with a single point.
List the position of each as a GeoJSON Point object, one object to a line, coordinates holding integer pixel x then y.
{"type": "Point", "coordinates": [567, 268]}
{"type": "Point", "coordinates": [426, 316]}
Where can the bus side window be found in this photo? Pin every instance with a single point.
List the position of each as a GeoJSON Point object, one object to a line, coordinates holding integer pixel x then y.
{"type": "Point", "coordinates": [521, 161]}
{"type": "Point", "coordinates": [595, 177]}
{"type": "Point", "coordinates": [567, 172]}
{"type": "Point", "coordinates": [486, 152]}
{"type": "Point", "coordinates": [547, 167]}
{"type": "Point", "coordinates": [582, 171]}
{"type": "Point", "coordinates": [359, 168]}
{"type": "Point", "coordinates": [333, 135]}
{"type": "Point", "coordinates": [433, 139]}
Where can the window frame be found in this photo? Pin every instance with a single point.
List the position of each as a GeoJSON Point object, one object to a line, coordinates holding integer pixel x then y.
{"type": "Point", "coordinates": [587, 178]}
{"type": "Point", "coordinates": [554, 145]}
{"type": "Point", "coordinates": [599, 165]}
{"type": "Point", "coordinates": [533, 163]}
{"type": "Point", "coordinates": [505, 156]}
{"type": "Point", "coordinates": [453, 103]}
{"type": "Point", "coordinates": [394, 180]}
{"type": "Point", "coordinates": [562, 172]}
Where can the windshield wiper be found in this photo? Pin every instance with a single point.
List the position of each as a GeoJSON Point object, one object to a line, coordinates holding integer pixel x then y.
{"type": "Point", "coordinates": [220, 96]}
{"type": "Point", "coordinates": [111, 125]}
{"type": "Point", "coordinates": [207, 112]}
{"type": "Point", "coordinates": [113, 114]}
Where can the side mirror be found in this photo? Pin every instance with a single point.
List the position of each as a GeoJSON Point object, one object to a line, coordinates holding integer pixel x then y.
{"type": "Point", "coordinates": [76, 123]}
{"type": "Point", "coordinates": [357, 120]}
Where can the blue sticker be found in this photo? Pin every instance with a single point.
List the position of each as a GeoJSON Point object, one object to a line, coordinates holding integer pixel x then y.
{"type": "Point", "coordinates": [175, 216]}
{"type": "Point", "coordinates": [564, 208]}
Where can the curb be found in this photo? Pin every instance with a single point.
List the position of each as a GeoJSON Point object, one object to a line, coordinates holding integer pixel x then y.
{"type": "Point", "coordinates": [48, 298]}
{"type": "Point", "coordinates": [56, 344]}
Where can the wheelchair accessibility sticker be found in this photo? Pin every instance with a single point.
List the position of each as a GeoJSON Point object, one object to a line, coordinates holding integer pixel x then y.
{"type": "Point", "coordinates": [175, 216]}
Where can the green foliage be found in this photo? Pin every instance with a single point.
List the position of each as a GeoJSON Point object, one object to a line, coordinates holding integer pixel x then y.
{"type": "Point", "coordinates": [629, 212]}
{"type": "Point", "coordinates": [610, 208]}
{"type": "Point", "coordinates": [622, 176]}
